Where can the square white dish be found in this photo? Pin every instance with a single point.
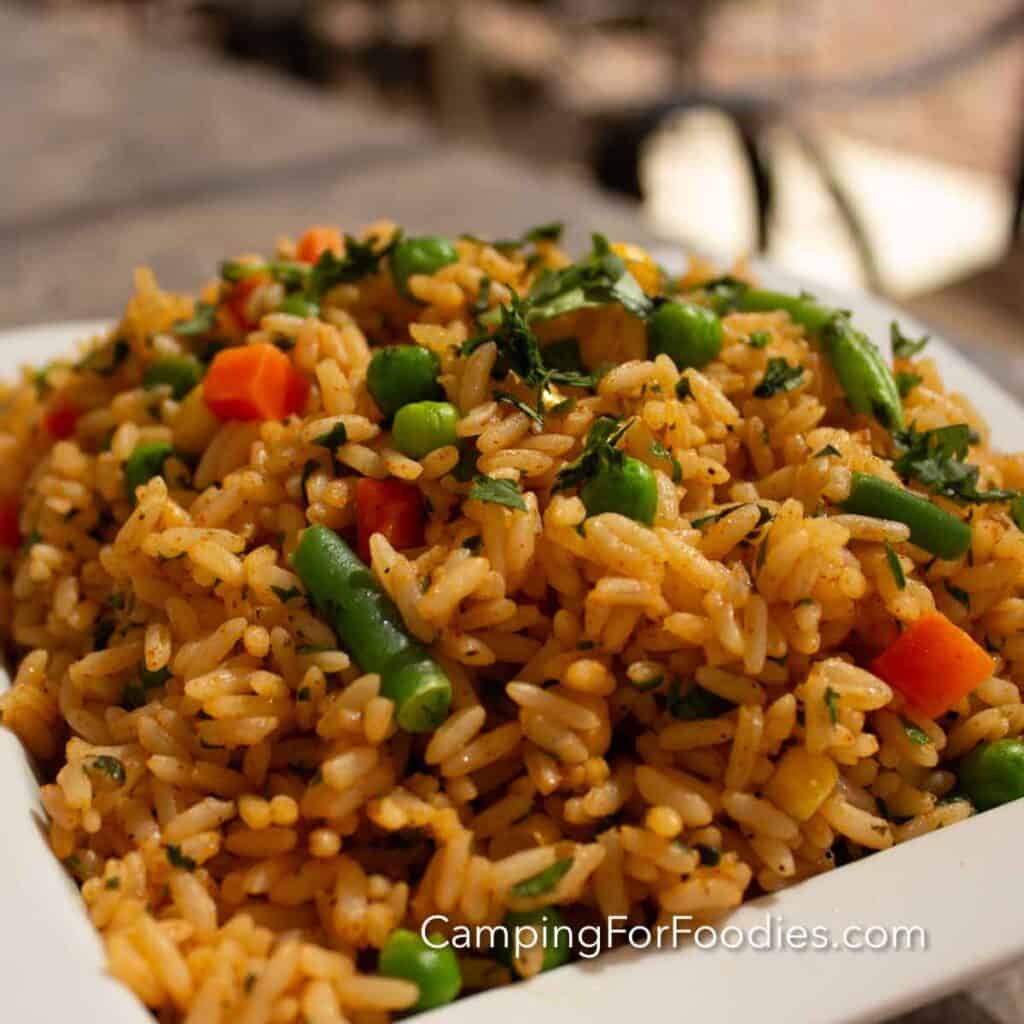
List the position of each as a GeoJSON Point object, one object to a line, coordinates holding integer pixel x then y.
{"type": "Point", "coordinates": [949, 883]}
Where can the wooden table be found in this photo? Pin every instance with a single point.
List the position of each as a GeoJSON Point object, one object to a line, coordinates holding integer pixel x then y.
{"type": "Point", "coordinates": [115, 155]}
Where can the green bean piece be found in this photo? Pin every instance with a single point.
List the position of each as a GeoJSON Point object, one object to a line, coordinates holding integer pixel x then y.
{"type": "Point", "coordinates": [421, 427]}
{"type": "Point", "coordinates": [993, 773]}
{"type": "Point", "coordinates": [400, 374]}
{"type": "Point", "coordinates": [180, 373]}
{"type": "Point", "coordinates": [434, 971]}
{"type": "Point", "coordinates": [690, 335]}
{"type": "Point", "coordinates": [370, 627]}
{"type": "Point", "coordinates": [424, 255]}
{"type": "Point", "coordinates": [145, 462]}
{"type": "Point", "coordinates": [931, 527]}
{"type": "Point", "coordinates": [299, 305]}
{"type": "Point", "coordinates": [863, 374]}
{"type": "Point", "coordinates": [549, 930]}
{"type": "Point", "coordinates": [626, 486]}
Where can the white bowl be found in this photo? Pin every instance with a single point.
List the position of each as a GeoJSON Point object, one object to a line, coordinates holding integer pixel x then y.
{"type": "Point", "coordinates": [956, 884]}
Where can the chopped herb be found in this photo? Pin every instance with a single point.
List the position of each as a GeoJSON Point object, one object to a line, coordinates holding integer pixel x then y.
{"type": "Point", "coordinates": [565, 406]}
{"type": "Point", "coordinates": [959, 595]}
{"type": "Point", "coordinates": [524, 407]}
{"type": "Point", "coordinates": [179, 859]}
{"type": "Point", "coordinates": [564, 354]}
{"type": "Point", "coordinates": [287, 593]}
{"type": "Point", "coordinates": [204, 316]}
{"type": "Point", "coordinates": [696, 703]}
{"type": "Point", "coordinates": [759, 339]}
{"type": "Point", "coordinates": [683, 389]}
{"type": "Point", "coordinates": [904, 347]}
{"type": "Point", "coordinates": [1017, 511]}
{"type": "Point", "coordinates": [113, 882]}
{"type": "Point", "coordinates": [303, 693]}
{"type": "Point", "coordinates": [465, 468]}
{"type": "Point", "coordinates": [361, 260]}
{"type": "Point", "coordinates": [473, 543]}
{"type": "Point", "coordinates": [541, 233]}
{"type": "Point", "coordinates": [482, 301]}
{"type": "Point", "coordinates": [709, 856]}
{"type": "Point", "coordinates": [585, 645]}
{"type": "Point", "coordinates": [110, 766]}
{"type": "Point", "coordinates": [334, 438]}
{"type": "Point", "coordinates": [763, 516]}
{"type": "Point", "coordinates": [658, 450]}
{"type": "Point", "coordinates": [156, 678]}
{"type": "Point", "coordinates": [543, 882]}
{"type": "Point", "coordinates": [828, 450]}
{"type": "Point", "coordinates": [290, 273]}
{"type": "Point", "coordinates": [310, 467]}
{"type": "Point", "coordinates": [906, 382]}
{"type": "Point", "coordinates": [250, 980]}
{"type": "Point", "coordinates": [600, 279]}
{"type": "Point", "coordinates": [599, 449]}
{"type": "Point", "coordinates": [778, 377]}
{"type": "Point", "coordinates": [105, 361]}
{"type": "Point", "coordinates": [116, 601]}
{"type": "Point", "coordinates": [894, 566]}
{"type": "Point", "coordinates": [497, 492]}
{"type": "Point", "coordinates": [934, 458]}
{"type": "Point", "coordinates": [133, 696]}
{"type": "Point", "coordinates": [915, 734]}
{"type": "Point", "coordinates": [832, 703]}
{"type": "Point", "coordinates": [102, 633]}
{"type": "Point", "coordinates": [35, 537]}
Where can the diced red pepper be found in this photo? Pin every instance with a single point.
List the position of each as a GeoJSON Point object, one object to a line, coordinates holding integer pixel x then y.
{"type": "Point", "coordinates": [316, 241]}
{"type": "Point", "coordinates": [60, 419]}
{"type": "Point", "coordinates": [237, 302]}
{"type": "Point", "coordinates": [10, 534]}
{"type": "Point", "coordinates": [934, 664]}
{"type": "Point", "coordinates": [254, 382]}
{"type": "Point", "coordinates": [392, 508]}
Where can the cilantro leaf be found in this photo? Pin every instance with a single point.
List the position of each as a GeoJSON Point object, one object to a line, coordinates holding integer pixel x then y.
{"type": "Point", "coordinates": [696, 703]}
{"type": "Point", "coordinates": [935, 458]}
{"type": "Point", "coordinates": [915, 734]}
{"type": "Point", "coordinates": [361, 260]}
{"type": "Point", "coordinates": [110, 766]}
{"type": "Point", "coordinates": [544, 881]}
{"type": "Point", "coordinates": [958, 594]}
{"type": "Point", "coordinates": [333, 438]}
{"type": "Point", "coordinates": [600, 448]}
{"type": "Point", "coordinates": [759, 339]}
{"type": "Point", "coordinates": [204, 315]}
{"type": "Point", "coordinates": [659, 451]}
{"type": "Point", "coordinates": [894, 566]}
{"type": "Point", "coordinates": [828, 450]}
{"type": "Point", "coordinates": [518, 403]}
{"type": "Point", "coordinates": [497, 492]}
{"type": "Point", "coordinates": [778, 377]}
{"type": "Point", "coordinates": [904, 347]}
{"type": "Point", "coordinates": [906, 382]}
{"type": "Point", "coordinates": [179, 859]}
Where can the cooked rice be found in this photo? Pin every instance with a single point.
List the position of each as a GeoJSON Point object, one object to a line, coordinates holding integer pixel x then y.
{"type": "Point", "coordinates": [272, 823]}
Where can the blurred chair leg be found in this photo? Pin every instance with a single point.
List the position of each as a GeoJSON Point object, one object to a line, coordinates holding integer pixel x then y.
{"type": "Point", "coordinates": [846, 207]}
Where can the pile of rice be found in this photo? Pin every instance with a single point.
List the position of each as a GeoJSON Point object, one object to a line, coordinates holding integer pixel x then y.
{"type": "Point", "coordinates": [271, 825]}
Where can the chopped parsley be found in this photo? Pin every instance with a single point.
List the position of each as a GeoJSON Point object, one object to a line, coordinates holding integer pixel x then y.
{"type": "Point", "coordinates": [482, 301]}
{"type": "Point", "coordinates": [286, 594]}
{"type": "Point", "coordinates": [361, 259]}
{"type": "Point", "coordinates": [935, 458]}
{"type": "Point", "coordinates": [543, 882]}
{"type": "Point", "coordinates": [894, 566]}
{"type": "Point", "coordinates": [709, 856]}
{"type": "Point", "coordinates": [179, 859]}
{"type": "Point", "coordinates": [832, 703]}
{"type": "Point", "coordinates": [906, 382]}
{"type": "Point", "coordinates": [828, 450]}
{"type": "Point", "coordinates": [915, 734]}
{"type": "Point", "coordinates": [333, 438]}
{"type": "Point", "coordinates": [778, 377]}
{"type": "Point", "coordinates": [759, 339]}
{"type": "Point", "coordinates": [696, 703]}
{"type": "Point", "coordinates": [204, 316]}
{"type": "Point", "coordinates": [599, 449]}
{"type": "Point", "coordinates": [904, 347]}
{"type": "Point", "coordinates": [659, 451]}
{"type": "Point", "coordinates": [109, 766]}
{"type": "Point", "coordinates": [958, 594]}
{"type": "Point", "coordinates": [524, 407]}
{"type": "Point", "coordinates": [105, 361]}
{"type": "Point", "coordinates": [497, 492]}
{"type": "Point", "coordinates": [683, 389]}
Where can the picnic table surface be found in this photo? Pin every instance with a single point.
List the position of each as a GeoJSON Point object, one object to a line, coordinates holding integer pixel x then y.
{"type": "Point", "coordinates": [117, 154]}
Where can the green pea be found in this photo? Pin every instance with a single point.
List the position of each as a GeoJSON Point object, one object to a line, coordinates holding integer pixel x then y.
{"type": "Point", "coordinates": [549, 928]}
{"type": "Point", "coordinates": [690, 335]}
{"type": "Point", "coordinates": [993, 773]}
{"type": "Point", "coordinates": [421, 427]}
{"type": "Point", "coordinates": [180, 373]}
{"type": "Point", "coordinates": [400, 374]}
{"type": "Point", "coordinates": [144, 463]}
{"type": "Point", "coordinates": [434, 971]}
{"type": "Point", "coordinates": [424, 255]}
{"type": "Point", "coordinates": [626, 486]}
{"type": "Point", "coordinates": [299, 305]}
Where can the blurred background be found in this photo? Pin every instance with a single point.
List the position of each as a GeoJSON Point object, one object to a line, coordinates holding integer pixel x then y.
{"type": "Point", "coordinates": [869, 144]}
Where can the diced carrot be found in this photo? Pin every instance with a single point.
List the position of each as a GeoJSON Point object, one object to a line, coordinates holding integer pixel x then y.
{"type": "Point", "coordinates": [253, 382]}
{"type": "Point", "coordinates": [316, 241]}
{"type": "Point", "coordinates": [392, 508]}
{"type": "Point", "coordinates": [60, 419]}
{"type": "Point", "coordinates": [10, 534]}
{"type": "Point", "coordinates": [237, 302]}
{"type": "Point", "coordinates": [934, 664]}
